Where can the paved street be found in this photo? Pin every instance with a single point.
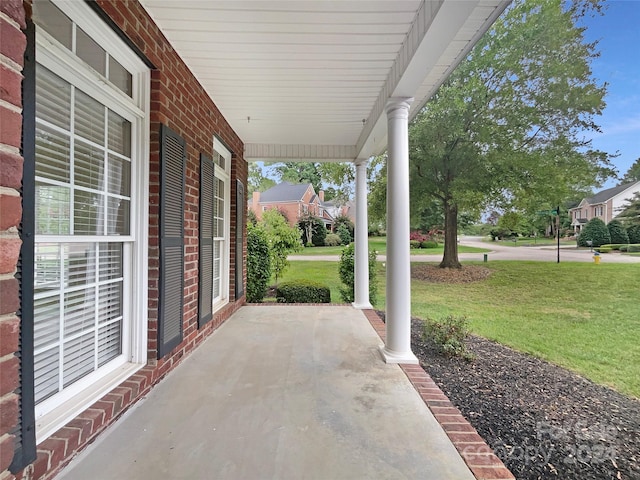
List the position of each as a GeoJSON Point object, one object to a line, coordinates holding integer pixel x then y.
{"type": "Point", "coordinates": [546, 253]}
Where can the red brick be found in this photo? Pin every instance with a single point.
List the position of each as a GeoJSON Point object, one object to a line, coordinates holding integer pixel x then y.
{"type": "Point", "coordinates": [6, 452]}
{"type": "Point", "coordinates": [10, 169]}
{"type": "Point", "coordinates": [83, 426]}
{"type": "Point", "coordinates": [11, 131]}
{"type": "Point", "coordinates": [465, 437]}
{"type": "Point", "coordinates": [56, 448]}
{"type": "Point", "coordinates": [41, 465]}
{"type": "Point", "coordinates": [14, 10]}
{"type": "Point", "coordinates": [71, 437]}
{"type": "Point", "coordinates": [10, 335]}
{"type": "Point", "coordinates": [445, 411]}
{"type": "Point", "coordinates": [9, 298]}
{"type": "Point", "coordinates": [458, 427]}
{"type": "Point", "coordinates": [10, 90]}
{"type": "Point", "coordinates": [13, 42]}
{"type": "Point", "coordinates": [96, 417]}
{"type": "Point", "coordinates": [9, 252]}
{"type": "Point", "coordinates": [106, 407]}
{"type": "Point", "coordinates": [8, 413]}
{"type": "Point", "coordinates": [9, 375]}
{"type": "Point", "coordinates": [10, 211]}
{"type": "Point", "coordinates": [482, 460]}
{"type": "Point", "coordinates": [491, 473]}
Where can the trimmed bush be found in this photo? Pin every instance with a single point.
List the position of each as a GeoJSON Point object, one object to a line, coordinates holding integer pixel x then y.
{"type": "Point", "coordinates": [332, 240]}
{"type": "Point", "coordinates": [634, 233]}
{"type": "Point", "coordinates": [303, 291]}
{"type": "Point", "coordinates": [415, 243]}
{"type": "Point", "coordinates": [633, 249]}
{"type": "Point", "coordinates": [346, 269]}
{"type": "Point", "coordinates": [430, 244]}
{"type": "Point", "coordinates": [344, 234]}
{"type": "Point", "coordinates": [624, 248]}
{"type": "Point", "coordinates": [596, 231]}
{"type": "Point", "coordinates": [258, 263]}
{"type": "Point", "coordinates": [603, 249]}
{"type": "Point", "coordinates": [617, 232]}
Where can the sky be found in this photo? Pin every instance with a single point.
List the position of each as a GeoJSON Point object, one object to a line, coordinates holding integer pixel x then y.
{"type": "Point", "coordinates": [618, 33]}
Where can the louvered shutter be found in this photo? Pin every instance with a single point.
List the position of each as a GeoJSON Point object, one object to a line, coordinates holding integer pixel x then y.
{"type": "Point", "coordinates": [240, 212]}
{"type": "Point", "coordinates": [207, 194]}
{"type": "Point", "coordinates": [171, 285]}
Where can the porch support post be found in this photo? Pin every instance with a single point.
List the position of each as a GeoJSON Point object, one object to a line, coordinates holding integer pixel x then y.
{"type": "Point", "coordinates": [361, 294]}
{"type": "Point", "coordinates": [398, 314]}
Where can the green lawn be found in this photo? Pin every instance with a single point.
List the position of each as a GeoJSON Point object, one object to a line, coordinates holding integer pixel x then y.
{"type": "Point", "coordinates": [531, 242]}
{"type": "Point", "coordinates": [578, 315]}
{"type": "Point", "coordinates": [380, 244]}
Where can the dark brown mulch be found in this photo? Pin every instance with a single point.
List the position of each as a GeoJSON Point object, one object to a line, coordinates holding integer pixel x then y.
{"type": "Point", "coordinates": [543, 421]}
{"type": "Point", "coordinates": [433, 273]}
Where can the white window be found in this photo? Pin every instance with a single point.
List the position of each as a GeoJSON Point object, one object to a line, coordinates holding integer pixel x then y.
{"type": "Point", "coordinates": [90, 284]}
{"type": "Point", "coordinates": [221, 224]}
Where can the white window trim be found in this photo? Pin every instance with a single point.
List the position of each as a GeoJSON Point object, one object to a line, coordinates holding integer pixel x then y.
{"type": "Point", "coordinates": [50, 416]}
{"type": "Point", "coordinates": [225, 270]}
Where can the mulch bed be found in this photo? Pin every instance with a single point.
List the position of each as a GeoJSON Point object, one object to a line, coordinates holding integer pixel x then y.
{"type": "Point", "coordinates": [541, 420]}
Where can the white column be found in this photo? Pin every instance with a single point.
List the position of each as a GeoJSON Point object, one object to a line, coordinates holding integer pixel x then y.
{"type": "Point", "coordinates": [398, 297]}
{"type": "Point", "coordinates": [361, 294]}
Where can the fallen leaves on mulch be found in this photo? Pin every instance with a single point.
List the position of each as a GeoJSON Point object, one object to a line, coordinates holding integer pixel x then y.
{"type": "Point", "coordinates": [433, 273]}
{"type": "Point", "coordinates": [543, 421]}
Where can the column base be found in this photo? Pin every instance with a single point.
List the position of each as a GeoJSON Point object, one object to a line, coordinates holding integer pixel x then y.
{"type": "Point", "coordinates": [389, 356]}
{"type": "Point", "coordinates": [362, 306]}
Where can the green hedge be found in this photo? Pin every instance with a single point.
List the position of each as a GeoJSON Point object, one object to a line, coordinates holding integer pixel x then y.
{"type": "Point", "coordinates": [303, 291]}
{"type": "Point", "coordinates": [430, 244]}
{"type": "Point", "coordinates": [633, 248]}
{"type": "Point", "coordinates": [614, 246]}
{"type": "Point", "coordinates": [415, 243]}
{"type": "Point", "coordinates": [603, 249]}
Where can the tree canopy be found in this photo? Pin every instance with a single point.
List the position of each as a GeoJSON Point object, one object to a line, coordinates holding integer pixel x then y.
{"type": "Point", "coordinates": [507, 129]}
{"type": "Point", "coordinates": [633, 174]}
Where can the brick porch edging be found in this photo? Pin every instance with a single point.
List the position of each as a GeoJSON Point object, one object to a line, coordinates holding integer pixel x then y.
{"type": "Point", "coordinates": [481, 460]}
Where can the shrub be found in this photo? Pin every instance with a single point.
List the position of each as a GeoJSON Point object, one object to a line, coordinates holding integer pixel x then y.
{"type": "Point", "coordinates": [603, 249]}
{"type": "Point", "coordinates": [633, 249]}
{"type": "Point", "coordinates": [617, 232]}
{"type": "Point", "coordinates": [344, 234]}
{"type": "Point", "coordinates": [346, 269]}
{"type": "Point", "coordinates": [283, 240]}
{"type": "Point", "coordinates": [596, 231]}
{"type": "Point", "coordinates": [332, 240]}
{"type": "Point", "coordinates": [624, 248]}
{"type": "Point", "coordinates": [634, 233]}
{"type": "Point", "coordinates": [449, 334]}
{"type": "Point", "coordinates": [258, 263]}
{"type": "Point", "coordinates": [415, 243]}
{"type": "Point", "coordinates": [430, 244]}
{"type": "Point", "coordinates": [418, 236]}
{"type": "Point", "coordinates": [303, 291]}
{"type": "Point", "coordinates": [346, 221]}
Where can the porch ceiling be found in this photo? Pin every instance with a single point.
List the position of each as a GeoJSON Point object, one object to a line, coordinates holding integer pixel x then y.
{"type": "Point", "coordinates": [309, 80]}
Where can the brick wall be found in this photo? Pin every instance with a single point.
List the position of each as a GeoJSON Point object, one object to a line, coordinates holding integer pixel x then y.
{"type": "Point", "coordinates": [12, 46]}
{"type": "Point", "coordinates": [178, 101]}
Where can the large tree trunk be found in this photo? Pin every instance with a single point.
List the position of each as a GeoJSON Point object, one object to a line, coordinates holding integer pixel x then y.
{"type": "Point", "coordinates": [450, 258]}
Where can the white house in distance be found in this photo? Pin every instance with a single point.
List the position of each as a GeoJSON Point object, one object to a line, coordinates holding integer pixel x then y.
{"type": "Point", "coordinates": [605, 205]}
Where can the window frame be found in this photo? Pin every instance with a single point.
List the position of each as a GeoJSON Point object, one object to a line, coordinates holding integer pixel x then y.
{"type": "Point", "coordinates": [223, 174]}
{"type": "Point", "coordinates": [53, 413]}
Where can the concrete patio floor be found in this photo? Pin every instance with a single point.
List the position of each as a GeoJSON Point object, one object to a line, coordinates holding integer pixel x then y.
{"type": "Point", "coordinates": [279, 392]}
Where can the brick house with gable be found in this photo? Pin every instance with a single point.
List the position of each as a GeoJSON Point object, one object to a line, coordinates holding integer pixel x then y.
{"type": "Point", "coordinates": [293, 200]}
{"type": "Point", "coordinates": [605, 205]}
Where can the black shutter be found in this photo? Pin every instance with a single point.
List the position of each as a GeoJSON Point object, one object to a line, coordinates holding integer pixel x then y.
{"type": "Point", "coordinates": [207, 197]}
{"type": "Point", "coordinates": [25, 431]}
{"type": "Point", "coordinates": [171, 285]}
{"type": "Point", "coordinates": [240, 212]}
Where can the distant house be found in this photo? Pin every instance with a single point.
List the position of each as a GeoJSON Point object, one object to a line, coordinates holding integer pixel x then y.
{"type": "Point", "coordinates": [294, 200]}
{"type": "Point", "coordinates": [605, 205]}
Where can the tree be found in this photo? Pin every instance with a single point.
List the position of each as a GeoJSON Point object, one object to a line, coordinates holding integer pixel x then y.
{"type": "Point", "coordinates": [506, 130]}
{"type": "Point", "coordinates": [346, 221]}
{"type": "Point", "coordinates": [617, 232]}
{"type": "Point", "coordinates": [595, 231]}
{"type": "Point", "coordinates": [256, 181]}
{"type": "Point", "coordinates": [633, 174]}
{"type": "Point", "coordinates": [634, 233]}
{"type": "Point", "coordinates": [299, 172]}
{"type": "Point", "coordinates": [313, 230]}
{"type": "Point", "coordinates": [630, 214]}
{"type": "Point", "coordinates": [283, 240]}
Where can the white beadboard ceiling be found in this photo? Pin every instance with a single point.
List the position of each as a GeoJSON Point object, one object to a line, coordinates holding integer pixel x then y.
{"type": "Point", "coordinates": [309, 79]}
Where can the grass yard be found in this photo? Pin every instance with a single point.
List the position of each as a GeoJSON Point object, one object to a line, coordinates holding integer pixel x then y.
{"type": "Point", "coordinates": [578, 315]}
{"type": "Point", "coordinates": [531, 242]}
{"type": "Point", "coordinates": [380, 244]}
